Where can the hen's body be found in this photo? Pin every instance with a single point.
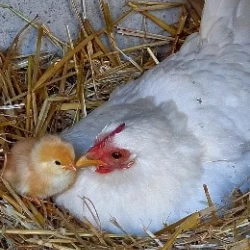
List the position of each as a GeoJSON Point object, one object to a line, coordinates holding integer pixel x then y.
{"type": "Point", "coordinates": [189, 121]}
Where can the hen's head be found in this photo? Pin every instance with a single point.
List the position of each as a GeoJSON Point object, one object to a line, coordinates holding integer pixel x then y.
{"type": "Point", "coordinates": [158, 137]}
{"type": "Point", "coordinates": [110, 155]}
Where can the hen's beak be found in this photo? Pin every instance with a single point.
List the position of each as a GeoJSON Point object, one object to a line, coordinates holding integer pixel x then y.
{"type": "Point", "coordinates": [85, 162]}
{"type": "Point", "coordinates": [70, 167]}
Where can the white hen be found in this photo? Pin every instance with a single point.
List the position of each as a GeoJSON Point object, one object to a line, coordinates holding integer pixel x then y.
{"type": "Point", "coordinates": [187, 123]}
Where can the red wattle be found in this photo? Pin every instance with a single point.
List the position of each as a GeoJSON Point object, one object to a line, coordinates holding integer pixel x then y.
{"type": "Point", "coordinates": [103, 170]}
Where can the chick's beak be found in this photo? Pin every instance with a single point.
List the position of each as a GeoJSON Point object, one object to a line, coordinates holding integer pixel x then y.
{"type": "Point", "coordinates": [70, 167]}
{"type": "Point", "coordinates": [84, 161]}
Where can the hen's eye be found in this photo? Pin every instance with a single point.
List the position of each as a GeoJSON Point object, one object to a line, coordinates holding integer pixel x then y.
{"type": "Point", "coordinates": [116, 155]}
{"type": "Point", "coordinates": [58, 163]}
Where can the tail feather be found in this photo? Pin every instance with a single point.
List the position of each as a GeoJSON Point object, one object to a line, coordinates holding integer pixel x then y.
{"type": "Point", "coordinates": [226, 21]}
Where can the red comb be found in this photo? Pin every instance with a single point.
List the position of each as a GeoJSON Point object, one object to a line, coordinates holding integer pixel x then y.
{"type": "Point", "coordinates": [102, 142]}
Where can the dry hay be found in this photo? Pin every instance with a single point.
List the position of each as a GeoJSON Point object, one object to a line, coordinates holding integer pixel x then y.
{"type": "Point", "coordinates": [43, 93]}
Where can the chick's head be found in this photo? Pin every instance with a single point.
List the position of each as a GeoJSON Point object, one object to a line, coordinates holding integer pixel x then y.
{"type": "Point", "coordinates": [53, 155]}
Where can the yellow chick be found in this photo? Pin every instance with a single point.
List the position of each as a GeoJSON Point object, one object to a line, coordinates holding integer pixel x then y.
{"type": "Point", "coordinates": [39, 168]}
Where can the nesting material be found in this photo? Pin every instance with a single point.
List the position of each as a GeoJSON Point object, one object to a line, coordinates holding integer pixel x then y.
{"type": "Point", "coordinates": [44, 93]}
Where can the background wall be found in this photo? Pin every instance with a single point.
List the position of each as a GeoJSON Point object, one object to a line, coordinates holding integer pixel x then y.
{"type": "Point", "coordinates": [56, 14]}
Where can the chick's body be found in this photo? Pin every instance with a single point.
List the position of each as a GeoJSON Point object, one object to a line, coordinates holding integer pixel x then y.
{"type": "Point", "coordinates": [39, 168]}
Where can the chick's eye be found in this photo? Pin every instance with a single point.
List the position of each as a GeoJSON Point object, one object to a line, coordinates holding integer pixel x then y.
{"type": "Point", "coordinates": [58, 163]}
{"type": "Point", "coordinates": [116, 155]}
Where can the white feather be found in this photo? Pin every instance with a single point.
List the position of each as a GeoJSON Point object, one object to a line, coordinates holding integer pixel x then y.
{"type": "Point", "coordinates": [187, 121]}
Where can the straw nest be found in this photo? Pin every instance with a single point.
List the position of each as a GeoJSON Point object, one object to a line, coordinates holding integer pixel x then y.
{"type": "Point", "coordinates": [43, 93]}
